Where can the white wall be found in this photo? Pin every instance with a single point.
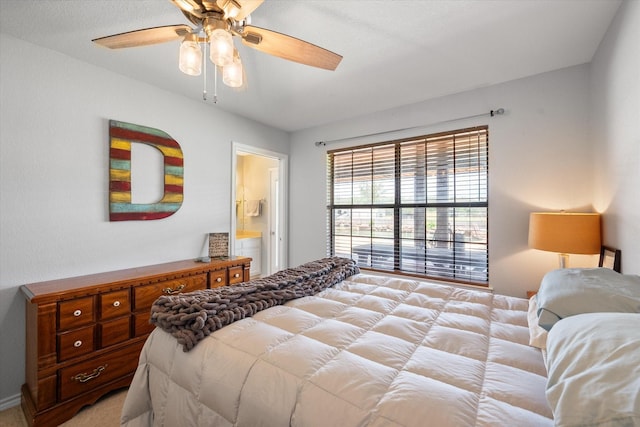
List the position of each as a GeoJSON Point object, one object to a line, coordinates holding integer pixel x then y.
{"type": "Point", "coordinates": [539, 159]}
{"type": "Point", "coordinates": [54, 159]}
{"type": "Point", "coordinates": [615, 107]}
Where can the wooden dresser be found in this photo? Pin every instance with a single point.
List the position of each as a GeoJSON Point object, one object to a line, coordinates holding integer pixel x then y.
{"type": "Point", "coordinates": [84, 334]}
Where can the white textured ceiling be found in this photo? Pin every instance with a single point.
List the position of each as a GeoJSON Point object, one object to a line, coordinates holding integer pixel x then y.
{"type": "Point", "coordinates": [396, 52]}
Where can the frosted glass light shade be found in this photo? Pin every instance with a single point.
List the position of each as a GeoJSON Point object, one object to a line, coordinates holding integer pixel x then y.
{"type": "Point", "coordinates": [221, 47]}
{"type": "Point", "coordinates": [565, 232]}
{"type": "Point", "coordinates": [232, 73]}
{"type": "Point", "coordinates": [190, 61]}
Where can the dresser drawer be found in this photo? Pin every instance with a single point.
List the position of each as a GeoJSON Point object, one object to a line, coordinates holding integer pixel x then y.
{"type": "Point", "coordinates": [75, 313]}
{"type": "Point", "coordinates": [141, 325]}
{"type": "Point", "coordinates": [114, 331]}
{"type": "Point", "coordinates": [218, 278]}
{"type": "Point", "coordinates": [114, 304]}
{"type": "Point", "coordinates": [86, 376]}
{"type": "Point", "coordinates": [236, 275]}
{"type": "Point", "coordinates": [75, 343]}
{"type": "Point", "coordinates": [144, 296]}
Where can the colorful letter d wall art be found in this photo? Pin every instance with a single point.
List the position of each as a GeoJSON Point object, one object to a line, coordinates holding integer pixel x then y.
{"type": "Point", "coordinates": [121, 136]}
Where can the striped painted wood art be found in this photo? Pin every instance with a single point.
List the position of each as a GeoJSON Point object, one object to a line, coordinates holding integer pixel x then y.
{"type": "Point", "coordinates": [121, 136]}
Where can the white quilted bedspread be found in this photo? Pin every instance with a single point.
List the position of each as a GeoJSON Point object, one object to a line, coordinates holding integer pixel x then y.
{"type": "Point", "coordinates": [373, 350]}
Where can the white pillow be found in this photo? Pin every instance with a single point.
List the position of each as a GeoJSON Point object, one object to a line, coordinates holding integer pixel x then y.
{"type": "Point", "coordinates": [594, 370]}
{"type": "Point", "coordinates": [569, 291]}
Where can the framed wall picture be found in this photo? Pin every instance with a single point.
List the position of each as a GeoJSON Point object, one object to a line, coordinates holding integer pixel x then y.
{"type": "Point", "coordinates": [610, 258]}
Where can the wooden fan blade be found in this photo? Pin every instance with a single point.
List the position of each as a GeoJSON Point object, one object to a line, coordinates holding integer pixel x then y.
{"type": "Point", "coordinates": [291, 48]}
{"type": "Point", "coordinates": [238, 9]}
{"type": "Point", "coordinates": [144, 37]}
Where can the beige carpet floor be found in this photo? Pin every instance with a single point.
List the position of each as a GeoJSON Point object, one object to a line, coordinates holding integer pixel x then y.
{"type": "Point", "coordinates": [105, 413]}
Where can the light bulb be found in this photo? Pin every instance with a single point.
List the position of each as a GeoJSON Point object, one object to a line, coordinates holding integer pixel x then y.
{"type": "Point", "coordinates": [221, 47]}
{"type": "Point", "coordinates": [190, 56]}
{"type": "Point", "coordinates": [232, 74]}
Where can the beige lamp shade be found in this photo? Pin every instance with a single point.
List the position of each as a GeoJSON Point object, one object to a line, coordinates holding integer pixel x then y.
{"type": "Point", "coordinates": [565, 232]}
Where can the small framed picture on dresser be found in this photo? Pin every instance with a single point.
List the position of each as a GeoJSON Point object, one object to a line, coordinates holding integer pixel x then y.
{"type": "Point", "coordinates": [219, 245]}
{"type": "Point", "coordinates": [610, 258]}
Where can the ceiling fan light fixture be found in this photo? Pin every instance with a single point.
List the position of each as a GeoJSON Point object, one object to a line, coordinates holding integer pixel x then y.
{"type": "Point", "coordinates": [190, 61]}
{"type": "Point", "coordinates": [216, 23]}
{"type": "Point", "coordinates": [232, 74]}
{"type": "Point", "coordinates": [221, 47]}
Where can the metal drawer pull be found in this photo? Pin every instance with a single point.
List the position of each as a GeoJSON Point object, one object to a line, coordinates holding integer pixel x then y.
{"type": "Point", "coordinates": [77, 344]}
{"type": "Point", "coordinates": [219, 279]}
{"type": "Point", "coordinates": [116, 303]}
{"type": "Point", "coordinates": [77, 313]}
{"type": "Point", "coordinates": [170, 291]}
{"type": "Point", "coordinates": [83, 378]}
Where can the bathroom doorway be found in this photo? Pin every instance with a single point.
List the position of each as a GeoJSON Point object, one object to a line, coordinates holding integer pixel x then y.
{"type": "Point", "coordinates": [258, 208]}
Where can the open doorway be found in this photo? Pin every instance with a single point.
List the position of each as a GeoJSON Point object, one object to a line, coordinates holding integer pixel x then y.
{"type": "Point", "coordinates": [258, 207]}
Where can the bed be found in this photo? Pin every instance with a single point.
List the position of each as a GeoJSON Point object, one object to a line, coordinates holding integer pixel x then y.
{"type": "Point", "coordinates": [363, 350]}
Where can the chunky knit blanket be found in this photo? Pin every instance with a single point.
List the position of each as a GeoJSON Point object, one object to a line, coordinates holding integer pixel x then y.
{"type": "Point", "coordinates": [192, 316]}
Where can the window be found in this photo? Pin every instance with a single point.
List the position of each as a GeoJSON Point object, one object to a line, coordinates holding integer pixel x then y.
{"type": "Point", "coordinates": [417, 206]}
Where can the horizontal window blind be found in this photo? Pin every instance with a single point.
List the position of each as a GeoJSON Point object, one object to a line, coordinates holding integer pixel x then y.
{"type": "Point", "coordinates": [418, 205]}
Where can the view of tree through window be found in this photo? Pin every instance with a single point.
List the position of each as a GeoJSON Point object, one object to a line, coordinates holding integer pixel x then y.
{"type": "Point", "coordinates": [417, 205]}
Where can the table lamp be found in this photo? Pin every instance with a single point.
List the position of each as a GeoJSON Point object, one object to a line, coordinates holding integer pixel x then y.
{"type": "Point", "coordinates": [565, 233]}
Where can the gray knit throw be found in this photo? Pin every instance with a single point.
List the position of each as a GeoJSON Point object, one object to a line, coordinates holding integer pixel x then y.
{"type": "Point", "coordinates": [192, 316]}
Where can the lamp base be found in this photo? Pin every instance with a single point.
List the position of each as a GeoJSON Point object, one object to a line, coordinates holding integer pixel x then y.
{"type": "Point", "coordinates": [563, 260]}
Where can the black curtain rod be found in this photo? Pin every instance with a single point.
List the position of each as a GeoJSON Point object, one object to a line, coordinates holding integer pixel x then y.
{"type": "Point", "coordinates": [491, 113]}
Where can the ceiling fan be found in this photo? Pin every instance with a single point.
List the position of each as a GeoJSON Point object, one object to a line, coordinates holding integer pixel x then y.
{"type": "Point", "coordinates": [216, 22]}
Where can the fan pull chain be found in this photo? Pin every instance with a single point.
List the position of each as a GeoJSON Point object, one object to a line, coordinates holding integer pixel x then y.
{"type": "Point", "coordinates": [204, 76]}
{"type": "Point", "coordinates": [215, 84]}
{"type": "Point", "coordinates": [204, 72]}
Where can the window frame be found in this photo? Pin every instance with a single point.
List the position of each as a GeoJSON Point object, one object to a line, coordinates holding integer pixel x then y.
{"type": "Point", "coordinates": [450, 273]}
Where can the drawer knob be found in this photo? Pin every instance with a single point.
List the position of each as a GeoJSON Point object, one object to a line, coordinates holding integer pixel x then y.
{"type": "Point", "coordinates": [77, 313]}
{"type": "Point", "coordinates": [77, 344]}
{"type": "Point", "coordinates": [236, 275]}
{"type": "Point", "coordinates": [219, 279]}
{"type": "Point", "coordinates": [171, 291]}
{"type": "Point", "coordinates": [83, 378]}
{"type": "Point", "coordinates": [116, 303]}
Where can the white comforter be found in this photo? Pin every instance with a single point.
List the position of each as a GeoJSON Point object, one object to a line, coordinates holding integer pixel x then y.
{"type": "Point", "coordinates": [372, 350]}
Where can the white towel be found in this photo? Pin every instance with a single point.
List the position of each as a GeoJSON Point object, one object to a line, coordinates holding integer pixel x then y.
{"type": "Point", "coordinates": [252, 208]}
